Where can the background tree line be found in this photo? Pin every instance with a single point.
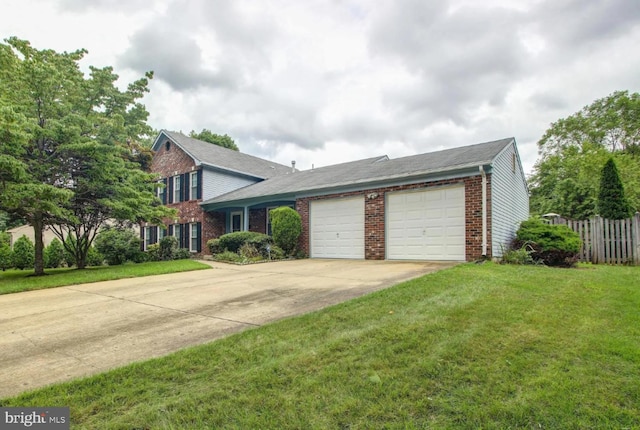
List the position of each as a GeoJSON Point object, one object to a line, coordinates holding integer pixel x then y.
{"type": "Point", "coordinates": [569, 175]}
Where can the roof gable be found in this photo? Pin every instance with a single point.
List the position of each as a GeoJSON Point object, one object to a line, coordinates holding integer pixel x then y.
{"type": "Point", "coordinates": [218, 157]}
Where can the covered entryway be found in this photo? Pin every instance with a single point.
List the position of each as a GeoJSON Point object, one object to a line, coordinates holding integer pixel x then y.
{"type": "Point", "coordinates": [337, 228]}
{"type": "Point", "coordinates": [426, 224]}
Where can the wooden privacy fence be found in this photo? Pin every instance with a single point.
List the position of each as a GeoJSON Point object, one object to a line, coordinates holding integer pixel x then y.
{"type": "Point", "coordinates": [607, 241]}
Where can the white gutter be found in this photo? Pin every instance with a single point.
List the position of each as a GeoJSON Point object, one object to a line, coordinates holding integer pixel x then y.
{"type": "Point", "coordinates": [484, 211]}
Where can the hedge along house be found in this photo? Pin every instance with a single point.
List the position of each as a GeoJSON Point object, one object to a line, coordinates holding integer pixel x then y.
{"type": "Point", "coordinates": [193, 171]}
{"type": "Point", "coordinates": [458, 204]}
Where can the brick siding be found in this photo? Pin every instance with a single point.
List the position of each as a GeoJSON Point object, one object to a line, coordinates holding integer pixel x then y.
{"type": "Point", "coordinates": [374, 222]}
{"type": "Point", "coordinates": [174, 161]}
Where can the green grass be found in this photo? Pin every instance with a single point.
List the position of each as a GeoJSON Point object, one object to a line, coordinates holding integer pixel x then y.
{"type": "Point", "coordinates": [14, 281]}
{"type": "Point", "coordinates": [476, 346]}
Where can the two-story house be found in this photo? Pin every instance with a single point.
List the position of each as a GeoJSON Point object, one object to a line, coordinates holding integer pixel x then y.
{"type": "Point", "coordinates": [457, 204]}
{"type": "Point", "coordinates": [193, 171]}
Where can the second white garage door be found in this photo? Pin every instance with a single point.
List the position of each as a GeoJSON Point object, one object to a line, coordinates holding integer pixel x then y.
{"type": "Point", "coordinates": [337, 228]}
{"type": "Point", "coordinates": [426, 225]}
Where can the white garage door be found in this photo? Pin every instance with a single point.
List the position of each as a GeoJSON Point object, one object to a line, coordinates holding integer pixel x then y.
{"type": "Point", "coordinates": [337, 228]}
{"type": "Point", "coordinates": [426, 225]}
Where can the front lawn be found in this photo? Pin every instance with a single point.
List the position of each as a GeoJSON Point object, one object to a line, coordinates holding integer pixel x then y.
{"type": "Point", "coordinates": [14, 281]}
{"type": "Point", "coordinates": [475, 346]}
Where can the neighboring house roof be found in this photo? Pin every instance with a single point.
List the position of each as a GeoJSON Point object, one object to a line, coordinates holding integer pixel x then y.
{"type": "Point", "coordinates": [218, 157]}
{"type": "Point", "coordinates": [367, 171]}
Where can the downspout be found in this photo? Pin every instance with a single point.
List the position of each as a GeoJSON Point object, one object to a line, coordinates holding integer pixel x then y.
{"type": "Point", "coordinates": [484, 211]}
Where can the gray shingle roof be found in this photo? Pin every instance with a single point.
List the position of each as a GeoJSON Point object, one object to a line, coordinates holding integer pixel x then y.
{"type": "Point", "coordinates": [224, 158]}
{"type": "Point", "coordinates": [370, 170]}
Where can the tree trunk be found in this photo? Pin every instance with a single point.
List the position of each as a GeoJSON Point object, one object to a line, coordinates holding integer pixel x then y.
{"type": "Point", "coordinates": [38, 227]}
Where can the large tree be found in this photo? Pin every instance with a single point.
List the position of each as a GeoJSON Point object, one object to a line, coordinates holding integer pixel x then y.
{"type": "Point", "coordinates": [217, 139]}
{"type": "Point", "coordinates": [573, 150]}
{"type": "Point", "coordinates": [70, 142]}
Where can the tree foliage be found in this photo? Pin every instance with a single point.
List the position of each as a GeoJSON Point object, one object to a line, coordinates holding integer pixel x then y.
{"type": "Point", "coordinates": [612, 203]}
{"type": "Point", "coordinates": [23, 253]}
{"type": "Point", "coordinates": [70, 153]}
{"type": "Point", "coordinates": [6, 256]}
{"type": "Point", "coordinates": [54, 254]}
{"type": "Point", "coordinates": [286, 226]}
{"type": "Point", "coordinates": [566, 178]}
{"type": "Point", "coordinates": [217, 139]}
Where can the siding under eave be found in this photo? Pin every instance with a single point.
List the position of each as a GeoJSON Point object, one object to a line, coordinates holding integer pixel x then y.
{"type": "Point", "coordinates": [509, 199]}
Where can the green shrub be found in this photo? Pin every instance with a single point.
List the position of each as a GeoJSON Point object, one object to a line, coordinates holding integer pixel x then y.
{"type": "Point", "coordinates": [228, 256]}
{"type": "Point", "coordinates": [168, 248]}
{"type": "Point", "coordinates": [249, 251]}
{"type": "Point", "coordinates": [23, 253]}
{"type": "Point", "coordinates": [119, 245]}
{"type": "Point", "coordinates": [6, 256]}
{"type": "Point", "coordinates": [5, 238]}
{"type": "Point", "coordinates": [153, 252]}
{"type": "Point", "coordinates": [233, 241]}
{"type": "Point", "coordinates": [553, 245]}
{"type": "Point", "coordinates": [54, 254]}
{"type": "Point", "coordinates": [182, 254]}
{"type": "Point", "coordinates": [214, 246]}
{"type": "Point", "coordinates": [276, 253]}
{"type": "Point", "coordinates": [94, 257]}
{"type": "Point", "coordinates": [286, 226]}
{"type": "Point", "coordinates": [520, 255]}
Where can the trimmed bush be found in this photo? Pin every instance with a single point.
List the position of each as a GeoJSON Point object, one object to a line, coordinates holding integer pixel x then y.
{"type": "Point", "coordinates": [286, 225]}
{"type": "Point", "coordinates": [24, 253]}
{"type": "Point", "coordinates": [119, 245]}
{"type": "Point", "coordinates": [54, 254]}
{"type": "Point", "coordinates": [234, 241]}
{"type": "Point", "coordinates": [182, 254]}
{"type": "Point", "coordinates": [553, 245]}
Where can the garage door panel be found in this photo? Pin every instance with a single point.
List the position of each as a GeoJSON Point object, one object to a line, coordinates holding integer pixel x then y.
{"type": "Point", "coordinates": [434, 224]}
{"type": "Point", "coordinates": [337, 228]}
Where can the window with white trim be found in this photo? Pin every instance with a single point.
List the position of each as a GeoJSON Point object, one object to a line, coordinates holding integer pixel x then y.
{"type": "Point", "coordinates": [177, 189]}
{"type": "Point", "coordinates": [193, 182]}
{"type": "Point", "coordinates": [177, 233]}
{"type": "Point", "coordinates": [193, 237]}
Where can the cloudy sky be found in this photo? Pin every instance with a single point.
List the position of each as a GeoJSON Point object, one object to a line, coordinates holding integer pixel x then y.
{"type": "Point", "coordinates": [327, 81]}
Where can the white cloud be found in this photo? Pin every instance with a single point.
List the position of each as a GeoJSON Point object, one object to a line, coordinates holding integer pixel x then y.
{"type": "Point", "coordinates": [326, 81]}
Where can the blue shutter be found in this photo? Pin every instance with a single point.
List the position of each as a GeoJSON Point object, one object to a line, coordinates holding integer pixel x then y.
{"type": "Point", "coordinates": [185, 236]}
{"type": "Point", "coordinates": [164, 191]}
{"type": "Point", "coordinates": [170, 188]}
{"type": "Point", "coordinates": [199, 196]}
{"type": "Point", "coordinates": [184, 183]}
{"type": "Point", "coordinates": [170, 229]}
{"type": "Point", "coordinates": [199, 237]}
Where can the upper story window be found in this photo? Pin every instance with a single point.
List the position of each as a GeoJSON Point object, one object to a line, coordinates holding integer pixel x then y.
{"type": "Point", "coordinates": [177, 188]}
{"type": "Point", "coordinates": [167, 145]}
{"type": "Point", "coordinates": [193, 185]}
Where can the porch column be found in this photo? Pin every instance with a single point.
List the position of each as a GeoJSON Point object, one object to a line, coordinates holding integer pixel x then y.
{"type": "Point", "coordinates": [246, 219]}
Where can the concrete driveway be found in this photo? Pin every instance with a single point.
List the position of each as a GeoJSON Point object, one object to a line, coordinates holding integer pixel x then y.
{"type": "Point", "coordinates": [59, 334]}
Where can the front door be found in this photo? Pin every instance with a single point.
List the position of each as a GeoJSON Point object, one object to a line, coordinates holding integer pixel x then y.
{"type": "Point", "coordinates": [236, 221]}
